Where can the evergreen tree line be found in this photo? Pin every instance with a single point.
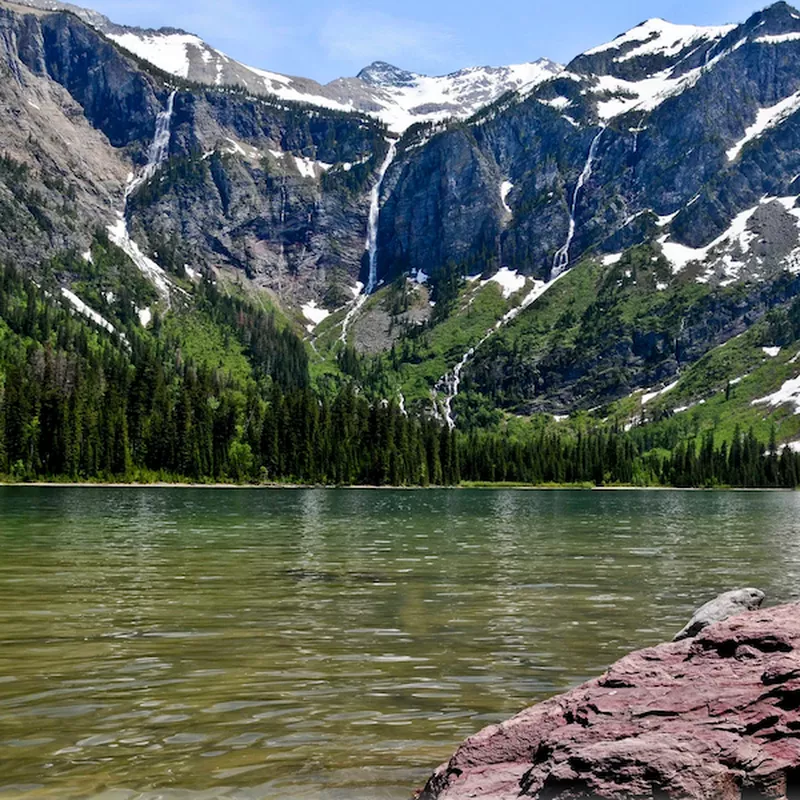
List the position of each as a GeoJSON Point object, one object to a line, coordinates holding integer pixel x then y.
{"type": "Point", "coordinates": [82, 404]}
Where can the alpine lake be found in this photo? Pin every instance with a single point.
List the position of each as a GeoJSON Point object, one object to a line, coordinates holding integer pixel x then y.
{"type": "Point", "coordinates": [193, 644]}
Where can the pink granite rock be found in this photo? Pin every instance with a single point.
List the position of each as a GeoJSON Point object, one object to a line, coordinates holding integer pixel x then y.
{"type": "Point", "coordinates": [716, 717]}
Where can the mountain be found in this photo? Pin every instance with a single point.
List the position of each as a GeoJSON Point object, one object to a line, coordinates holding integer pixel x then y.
{"type": "Point", "coordinates": [618, 238]}
{"type": "Point", "coordinates": [679, 139]}
{"type": "Point", "coordinates": [394, 96]}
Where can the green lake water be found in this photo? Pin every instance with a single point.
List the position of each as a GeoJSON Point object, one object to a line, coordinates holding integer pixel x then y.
{"type": "Point", "coordinates": [331, 645]}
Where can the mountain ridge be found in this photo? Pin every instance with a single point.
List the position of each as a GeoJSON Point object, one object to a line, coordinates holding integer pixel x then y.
{"type": "Point", "coordinates": [186, 55]}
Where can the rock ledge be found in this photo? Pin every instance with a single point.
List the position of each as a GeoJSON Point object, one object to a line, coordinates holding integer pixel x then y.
{"type": "Point", "coordinates": [716, 717]}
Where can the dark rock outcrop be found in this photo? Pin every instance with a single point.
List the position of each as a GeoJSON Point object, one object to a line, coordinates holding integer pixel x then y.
{"type": "Point", "coordinates": [716, 717]}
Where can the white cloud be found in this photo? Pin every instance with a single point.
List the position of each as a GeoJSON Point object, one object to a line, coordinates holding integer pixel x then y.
{"type": "Point", "coordinates": [361, 37]}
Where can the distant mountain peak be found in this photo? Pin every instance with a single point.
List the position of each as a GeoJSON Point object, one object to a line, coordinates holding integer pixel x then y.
{"type": "Point", "coordinates": [380, 73]}
{"type": "Point", "coordinates": [656, 35]}
{"type": "Point", "coordinates": [774, 19]}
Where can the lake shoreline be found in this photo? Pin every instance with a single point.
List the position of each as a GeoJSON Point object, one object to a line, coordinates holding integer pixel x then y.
{"type": "Point", "coordinates": [363, 487]}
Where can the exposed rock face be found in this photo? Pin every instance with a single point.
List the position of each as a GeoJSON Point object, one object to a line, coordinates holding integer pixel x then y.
{"type": "Point", "coordinates": [721, 608]}
{"type": "Point", "coordinates": [540, 143]}
{"type": "Point", "coordinates": [276, 191]}
{"type": "Point", "coordinates": [71, 178]}
{"type": "Point", "coordinates": [716, 717]}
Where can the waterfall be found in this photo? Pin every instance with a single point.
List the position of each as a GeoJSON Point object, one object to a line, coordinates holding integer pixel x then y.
{"type": "Point", "coordinates": [451, 383]}
{"type": "Point", "coordinates": [118, 232]}
{"type": "Point", "coordinates": [371, 244]}
{"type": "Point", "coordinates": [374, 215]}
{"type": "Point", "coordinates": [561, 260]}
{"type": "Point", "coordinates": [159, 148]}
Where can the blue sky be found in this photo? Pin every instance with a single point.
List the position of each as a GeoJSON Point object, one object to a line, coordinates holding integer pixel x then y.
{"type": "Point", "coordinates": [325, 39]}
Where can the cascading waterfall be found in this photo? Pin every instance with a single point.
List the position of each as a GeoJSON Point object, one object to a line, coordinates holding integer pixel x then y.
{"type": "Point", "coordinates": [118, 232]}
{"type": "Point", "coordinates": [159, 148]}
{"type": "Point", "coordinates": [561, 260]}
{"type": "Point", "coordinates": [371, 245]}
{"type": "Point", "coordinates": [451, 383]}
{"type": "Point", "coordinates": [374, 215]}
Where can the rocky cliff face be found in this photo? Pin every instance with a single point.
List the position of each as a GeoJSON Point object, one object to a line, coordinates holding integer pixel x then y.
{"type": "Point", "coordinates": [696, 123]}
{"type": "Point", "coordinates": [710, 717]}
{"type": "Point", "coordinates": [61, 174]}
{"type": "Point", "coordinates": [277, 191]}
{"type": "Point", "coordinates": [680, 138]}
{"type": "Point", "coordinates": [277, 194]}
{"type": "Point", "coordinates": [679, 108]}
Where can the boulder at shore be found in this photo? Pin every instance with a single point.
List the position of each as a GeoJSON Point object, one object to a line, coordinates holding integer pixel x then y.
{"type": "Point", "coordinates": [720, 608]}
{"type": "Point", "coordinates": [716, 717]}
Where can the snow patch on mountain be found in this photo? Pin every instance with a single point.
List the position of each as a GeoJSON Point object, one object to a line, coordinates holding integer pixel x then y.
{"type": "Point", "coordinates": [739, 250]}
{"type": "Point", "coordinates": [308, 168]}
{"type": "Point", "coordinates": [167, 52]}
{"type": "Point", "coordinates": [288, 89]}
{"type": "Point", "coordinates": [505, 190]}
{"type": "Point", "coordinates": [652, 395]}
{"type": "Point", "coordinates": [680, 255]}
{"type": "Point", "coordinates": [778, 38]}
{"type": "Point", "coordinates": [86, 311]}
{"type": "Point", "coordinates": [622, 96]}
{"type": "Point", "coordinates": [788, 394]}
{"type": "Point", "coordinates": [118, 233]}
{"type": "Point", "coordinates": [509, 281]}
{"type": "Point", "coordinates": [767, 118]}
{"type": "Point", "coordinates": [314, 314]}
{"type": "Point", "coordinates": [659, 37]}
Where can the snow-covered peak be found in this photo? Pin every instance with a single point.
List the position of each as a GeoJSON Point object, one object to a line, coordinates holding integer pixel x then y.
{"type": "Point", "coordinates": [397, 97]}
{"type": "Point", "coordinates": [379, 73]}
{"type": "Point", "coordinates": [460, 94]}
{"type": "Point", "coordinates": [658, 37]}
{"type": "Point", "coordinates": [651, 63]}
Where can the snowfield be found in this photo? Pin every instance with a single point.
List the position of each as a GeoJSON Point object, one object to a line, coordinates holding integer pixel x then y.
{"type": "Point", "coordinates": [788, 394]}
{"type": "Point", "coordinates": [169, 53]}
{"type": "Point", "coordinates": [657, 36]}
{"type": "Point", "coordinates": [399, 105]}
{"type": "Point", "coordinates": [86, 311]}
{"type": "Point", "coordinates": [765, 119]}
{"type": "Point", "coordinates": [510, 281]}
